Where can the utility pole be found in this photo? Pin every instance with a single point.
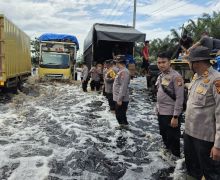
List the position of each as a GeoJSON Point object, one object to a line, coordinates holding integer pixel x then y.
{"type": "Point", "coordinates": [134, 13]}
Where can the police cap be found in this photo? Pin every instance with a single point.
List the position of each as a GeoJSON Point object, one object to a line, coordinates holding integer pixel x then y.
{"type": "Point", "coordinates": [199, 53]}
{"type": "Point", "coordinates": [120, 59]}
{"type": "Point", "coordinates": [108, 61]}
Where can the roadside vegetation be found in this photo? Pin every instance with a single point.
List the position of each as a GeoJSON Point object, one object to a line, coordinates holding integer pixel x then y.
{"type": "Point", "coordinates": [193, 28]}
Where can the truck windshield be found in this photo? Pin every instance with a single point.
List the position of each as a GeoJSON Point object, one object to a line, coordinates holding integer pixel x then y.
{"type": "Point", "coordinates": [55, 60]}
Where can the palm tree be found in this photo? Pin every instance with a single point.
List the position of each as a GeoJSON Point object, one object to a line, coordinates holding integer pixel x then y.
{"type": "Point", "coordinates": [215, 25]}
{"type": "Point", "coordinates": [175, 36]}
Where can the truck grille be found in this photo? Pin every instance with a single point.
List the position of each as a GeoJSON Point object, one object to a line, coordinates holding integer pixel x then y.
{"type": "Point", "coordinates": [54, 76]}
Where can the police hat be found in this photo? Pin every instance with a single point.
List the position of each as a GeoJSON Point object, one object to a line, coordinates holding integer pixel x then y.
{"type": "Point", "coordinates": [109, 61]}
{"type": "Point", "coordinates": [199, 53]}
{"type": "Point", "coordinates": [120, 59]}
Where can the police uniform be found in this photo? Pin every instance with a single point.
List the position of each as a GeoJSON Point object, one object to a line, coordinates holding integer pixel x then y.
{"type": "Point", "coordinates": [170, 96]}
{"type": "Point", "coordinates": [202, 122]}
{"type": "Point", "coordinates": [95, 78]}
{"type": "Point", "coordinates": [85, 78]}
{"type": "Point", "coordinates": [109, 80]}
{"type": "Point", "coordinates": [121, 92]}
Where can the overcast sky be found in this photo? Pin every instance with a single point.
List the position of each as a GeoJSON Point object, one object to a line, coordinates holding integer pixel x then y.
{"type": "Point", "coordinates": [154, 17]}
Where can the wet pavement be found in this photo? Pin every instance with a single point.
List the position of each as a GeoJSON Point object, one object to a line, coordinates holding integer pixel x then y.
{"type": "Point", "coordinates": [54, 131]}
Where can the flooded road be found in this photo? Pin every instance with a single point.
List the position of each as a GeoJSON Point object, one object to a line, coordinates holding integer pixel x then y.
{"type": "Point", "coordinates": [55, 131]}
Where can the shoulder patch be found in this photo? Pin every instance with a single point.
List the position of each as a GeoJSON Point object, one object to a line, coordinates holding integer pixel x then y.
{"type": "Point", "coordinates": [217, 86]}
{"type": "Point", "coordinates": [179, 81]}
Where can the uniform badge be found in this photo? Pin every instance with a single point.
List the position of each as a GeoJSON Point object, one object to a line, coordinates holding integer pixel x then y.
{"type": "Point", "coordinates": [194, 77]}
{"type": "Point", "coordinates": [217, 85]}
{"type": "Point", "coordinates": [199, 90]}
{"type": "Point", "coordinates": [168, 78]}
{"type": "Point", "coordinates": [206, 73]}
{"type": "Point", "coordinates": [206, 80]}
{"type": "Point", "coordinates": [165, 82]}
{"type": "Point", "coordinates": [179, 81]}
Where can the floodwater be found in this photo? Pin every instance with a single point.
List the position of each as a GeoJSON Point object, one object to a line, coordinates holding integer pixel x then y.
{"type": "Point", "coordinates": [54, 131]}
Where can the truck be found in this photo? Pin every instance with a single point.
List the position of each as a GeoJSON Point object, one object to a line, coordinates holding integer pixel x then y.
{"type": "Point", "coordinates": [15, 56]}
{"type": "Point", "coordinates": [102, 39]}
{"type": "Point", "coordinates": [58, 54]}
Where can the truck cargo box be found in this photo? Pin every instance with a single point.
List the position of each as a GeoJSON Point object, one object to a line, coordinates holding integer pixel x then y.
{"type": "Point", "coordinates": [102, 38]}
{"type": "Point", "coordinates": [15, 58]}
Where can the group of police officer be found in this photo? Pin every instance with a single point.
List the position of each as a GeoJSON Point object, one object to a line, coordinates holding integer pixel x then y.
{"type": "Point", "coordinates": [116, 81]}
{"type": "Point", "coordinates": [202, 116]}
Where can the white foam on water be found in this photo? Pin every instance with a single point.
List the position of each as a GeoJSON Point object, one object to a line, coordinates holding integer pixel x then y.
{"type": "Point", "coordinates": [54, 120]}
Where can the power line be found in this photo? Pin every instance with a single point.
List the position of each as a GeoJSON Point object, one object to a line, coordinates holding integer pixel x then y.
{"type": "Point", "coordinates": [124, 10]}
{"type": "Point", "coordinates": [166, 10]}
{"type": "Point", "coordinates": [163, 7]}
{"type": "Point", "coordinates": [118, 9]}
{"type": "Point", "coordinates": [113, 9]}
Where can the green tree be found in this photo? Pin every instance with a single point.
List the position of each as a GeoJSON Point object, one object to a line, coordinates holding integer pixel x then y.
{"type": "Point", "coordinates": [194, 28]}
{"type": "Point", "coordinates": [35, 51]}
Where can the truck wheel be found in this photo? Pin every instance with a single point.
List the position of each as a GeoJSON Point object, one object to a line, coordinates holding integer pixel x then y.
{"type": "Point", "coordinates": [13, 90]}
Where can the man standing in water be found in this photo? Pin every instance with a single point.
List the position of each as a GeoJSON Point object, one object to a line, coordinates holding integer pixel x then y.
{"type": "Point", "coordinates": [121, 91]}
{"type": "Point", "coordinates": [202, 122]}
{"type": "Point", "coordinates": [170, 96]}
{"type": "Point", "coordinates": [84, 77]}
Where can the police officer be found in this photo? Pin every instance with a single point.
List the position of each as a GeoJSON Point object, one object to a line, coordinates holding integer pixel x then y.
{"type": "Point", "coordinates": [202, 122]}
{"type": "Point", "coordinates": [121, 91]}
{"type": "Point", "coordinates": [84, 77]}
{"type": "Point", "coordinates": [170, 96]}
{"type": "Point", "coordinates": [95, 78]}
{"type": "Point", "coordinates": [109, 80]}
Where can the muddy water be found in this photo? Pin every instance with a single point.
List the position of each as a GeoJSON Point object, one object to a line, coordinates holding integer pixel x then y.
{"type": "Point", "coordinates": [54, 131]}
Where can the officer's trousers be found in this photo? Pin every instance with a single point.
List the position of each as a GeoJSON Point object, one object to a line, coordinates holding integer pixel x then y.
{"type": "Point", "coordinates": [84, 84]}
{"type": "Point", "coordinates": [110, 101]}
{"type": "Point", "coordinates": [95, 85]}
{"type": "Point", "coordinates": [170, 135]}
{"type": "Point", "coordinates": [198, 161]}
{"type": "Point", "coordinates": [120, 112]}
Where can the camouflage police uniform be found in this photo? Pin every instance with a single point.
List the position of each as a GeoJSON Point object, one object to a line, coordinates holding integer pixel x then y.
{"type": "Point", "coordinates": [202, 123]}
{"type": "Point", "coordinates": [84, 77]}
{"type": "Point", "coordinates": [121, 93]}
{"type": "Point", "coordinates": [170, 96]}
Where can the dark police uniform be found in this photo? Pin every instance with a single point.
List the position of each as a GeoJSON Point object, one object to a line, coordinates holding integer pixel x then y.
{"type": "Point", "coordinates": [202, 123]}
{"type": "Point", "coordinates": [170, 96]}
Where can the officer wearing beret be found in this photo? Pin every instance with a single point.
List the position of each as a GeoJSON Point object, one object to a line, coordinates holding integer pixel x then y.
{"type": "Point", "coordinates": [121, 91]}
{"type": "Point", "coordinates": [202, 123]}
{"type": "Point", "coordinates": [170, 96]}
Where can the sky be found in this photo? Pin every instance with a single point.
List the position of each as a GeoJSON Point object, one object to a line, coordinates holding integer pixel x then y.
{"type": "Point", "coordinates": [76, 17]}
